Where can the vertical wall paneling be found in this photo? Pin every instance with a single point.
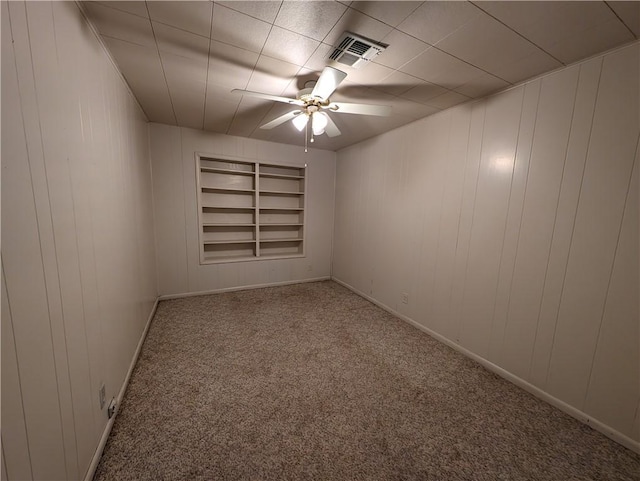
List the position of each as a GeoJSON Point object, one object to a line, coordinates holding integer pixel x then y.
{"type": "Point", "coordinates": [489, 218]}
{"type": "Point", "coordinates": [51, 101]}
{"type": "Point", "coordinates": [564, 218]}
{"type": "Point", "coordinates": [470, 187]}
{"type": "Point", "coordinates": [14, 432]}
{"type": "Point", "coordinates": [175, 210]}
{"type": "Point", "coordinates": [3, 473]}
{"type": "Point", "coordinates": [23, 267]}
{"type": "Point", "coordinates": [614, 384]}
{"type": "Point", "coordinates": [530, 101]}
{"type": "Point", "coordinates": [77, 234]}
{"type": "Point", "coordinates": [526, 251]}
{"type": "Point", "coordinates": [602, 196]}
{"type": "Point", "coordinates": [555, 110]}
{"type": "Point", "coordinates": [439, 311]}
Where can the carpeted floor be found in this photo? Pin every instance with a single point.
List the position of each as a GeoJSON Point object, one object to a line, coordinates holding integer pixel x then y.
{"type": "Point", "coordinates": [312, 382]}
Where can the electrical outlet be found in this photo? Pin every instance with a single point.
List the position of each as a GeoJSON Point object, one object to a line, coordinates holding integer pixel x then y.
{"type": "Point", "coordinates": [102, 396]}
{"type": "Point", "coordinates": [404, 297]}
{"type": "Point", "coordinates": [111, 410]}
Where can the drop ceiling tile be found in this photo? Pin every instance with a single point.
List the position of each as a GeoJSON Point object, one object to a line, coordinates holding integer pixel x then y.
{"type": "Point", "coordinates": [180, 42]}
{"type": "Point", "coordinates": [289, 46]}
{"type": "Point", "coordinates": [568, 30]}
{"type": "Point", "coordinates": [298, 82]}
{"type": "Point", "coordinates": [369, 74]}
{"type": "Point", "coordinates": [488, 44]}
{"type": "Point", "coordinates": [402, 48]}
{"type": "Point", "coordinates": [527, 67]}
{"type": "Point", "coordinates": [398, 83]}
{"type": "Point", "coordinates": [402, 106]}
{"type": "Point", "coordinates": [433, 21]}
{"type": "Point", "coordinates": [311, 19]}
{"type": "Point", "coordinates": [121, 25]}
{"type": "Point", "coordinates": [262, 10]}
{"type": "Point", "coordinates": [239, 29]}
{"type": "Point", "coordinates": [271, 75]}
{"type": "Point", "coordinates": [599, 38]}
{"type": "Point", "coordinates": [629, 12]}
{"type": "Point", "coordinates": [142, 70]}
{"type": "Point", "coordinates": [230, 66]}
{"type": "Point", "coordinates": [219, 112]}
{"type": "Point", "coordinates": [441, 68]}
{"type": "Point", "coordinates": [186, 79]}
{"type": "Point", "coordinates": [447, 100]}
{"type": "Point", "coordinates": [134, 7]}
{"type": "Point", "coordinates": [249, 114]}
{"type": "Point", "coordinates": [320, 58]}
{"type": "Point", "coordinates": [484, 85]}
{"type": "Point", "coordinates": [194, 17]}
{"type": "Point", "coordinates": [424, 92]}
{"type": "Point", "coordinates": [391, 13]}
{"type": "Point", "coordinates": [360, 24]}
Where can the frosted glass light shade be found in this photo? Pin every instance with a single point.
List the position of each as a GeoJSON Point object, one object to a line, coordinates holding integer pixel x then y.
{"type": "Point", "coordinates": [300, 121]}
{"type": "Point", "coordinates": [318, 123]}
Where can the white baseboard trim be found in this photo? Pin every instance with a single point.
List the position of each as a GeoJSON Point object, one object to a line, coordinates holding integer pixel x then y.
{"type": "Point", "coordinates": [107, 430]}
{"type": "Point", "coordinates": [537, 392]}
{"type": "Point", "coordinates": [241, 288]}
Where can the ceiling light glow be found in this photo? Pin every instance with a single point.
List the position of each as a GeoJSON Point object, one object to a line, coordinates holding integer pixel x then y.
{"type": "Point", "coordinates": [300, 121]}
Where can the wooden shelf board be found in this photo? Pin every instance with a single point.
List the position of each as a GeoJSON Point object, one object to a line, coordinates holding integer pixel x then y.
{"type": "Point", "coordinates": [280, 192]}
{"type": "Point", "coordinates": [225, 189]}
{"type": "Point", "coordinates": [211, 224]}
{"type": "Point", "coordinates": [293, 239]}
{"type": "Point", "coordinates": [220, 207]}
{"type": "Point", "coordinates": [226, 171]}
{"type": "Point", "coordinates": [281, 176]}
{"type": "Point", "coordinates": [212, 242]}
{"type": "Point", "coordinates": [292, 224]}
{"type": "Point", "coordinates": [296, 209]}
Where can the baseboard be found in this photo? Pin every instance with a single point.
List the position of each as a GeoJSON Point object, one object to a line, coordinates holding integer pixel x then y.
{"type": "Point", "coordinates": [107, 430]}
{"type": "Point", "coordinates": [611, 433]}
{"type": "Point", "coordinates": [242, 288]}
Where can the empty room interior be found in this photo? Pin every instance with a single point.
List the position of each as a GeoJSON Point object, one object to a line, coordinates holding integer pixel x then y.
{"type": "Point", "coordinates": [324, 240]}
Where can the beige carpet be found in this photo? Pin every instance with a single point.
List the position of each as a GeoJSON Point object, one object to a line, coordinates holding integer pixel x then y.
{"type": "Point", "coordinates": [312, 382]}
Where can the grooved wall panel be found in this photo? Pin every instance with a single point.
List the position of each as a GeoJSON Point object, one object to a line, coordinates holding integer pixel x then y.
{"type": "Point", "coordinates": [176, 213]}
{"type": "Point", "coordinates": [522, 255]}
{"type": "Point", "coordinates": [77, 233]}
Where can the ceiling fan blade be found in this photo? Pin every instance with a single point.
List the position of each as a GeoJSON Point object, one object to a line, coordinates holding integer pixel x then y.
{"type": "Point", "coordinates": [331, 129]}
{"type": "Point", "coordinates": [360, 109]}
{"type": "Point", "coordinates": [328, 82]}
{"type": "Point", "coordinates": [275, 98]}
{"type": "Point", "coordinates": [280, 120]}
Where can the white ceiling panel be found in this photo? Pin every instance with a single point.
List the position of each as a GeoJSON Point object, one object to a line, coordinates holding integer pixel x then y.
{"type": "Point", "coordinates": [187, 80]}
{"type": "Point", "coordinates": [121, 25]}
{"type": "Point", "coordinates": [487, 44]}
{"type": "Point", "coordinates": [194, 17]}
{"type": "Point", "coordinates": [289, 46]}
{"type": "Point", "coordinates": [402, 49]}
{"type": "Point", "coordinates": [133, 6]}
{"type": "Point", "coordinates": [629, 13]}
{"type": "Point", "coordinates": [433, 21]}
{"type": "Point", "coordinates": [262, 10]}
{"type": "Point", "coordinates": [180, 42]}
{"type": "Point", "coordinates": [391, 13]}
{"type": "Point", "coordinates": [441, 68]}
{"type": "Point", "coordinates": [312, 19]}
{"type": "Point", "coordinates": [440, 53]}
{"type": "Point", "coordinates": [142, 70]}
{"type": "Point", "coordinates": [356, 22]}
{"type": "Point", "coordinates": [238, 29]}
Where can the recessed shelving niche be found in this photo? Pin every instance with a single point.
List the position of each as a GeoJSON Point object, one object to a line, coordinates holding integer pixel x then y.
{"type": "Point", "coordinates": [249, 210]}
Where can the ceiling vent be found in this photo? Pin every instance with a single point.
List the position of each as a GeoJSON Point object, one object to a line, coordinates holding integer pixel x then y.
{"type": "Point", "coordinates": [356, 51]}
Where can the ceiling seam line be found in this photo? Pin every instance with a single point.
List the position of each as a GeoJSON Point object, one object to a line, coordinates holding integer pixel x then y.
{"type": "Point", "coordinates": [206, 84]}
{"type": "Point", "coordinates": [620, 18]}
{"type": "Point", "coordinates": [519, 34]}
{"type": "Point", "coordinates": [254, 69]}
{"type": "Point", "coordinates": [164, 75]}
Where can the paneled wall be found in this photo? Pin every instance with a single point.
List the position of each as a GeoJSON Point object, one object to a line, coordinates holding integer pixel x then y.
{"type": "Point", "coordinates": [78, 258]}
{"type": "Point", "coordinates": [176, 213]}
{"type": "Point", "coordinates": [512, 225]}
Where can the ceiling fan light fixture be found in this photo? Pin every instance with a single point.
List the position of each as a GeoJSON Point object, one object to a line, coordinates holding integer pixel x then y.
{"type": "Point", "coordinates": [300, 121]}
{"type": "Point", "coordinates": [318, 123]}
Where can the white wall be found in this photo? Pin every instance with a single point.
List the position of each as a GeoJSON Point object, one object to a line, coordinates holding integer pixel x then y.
{"type": "Point", "coordinates": [176, 212]}
{"type": "Point", "coordinates": [78, 260]}
{"type": "Point", "coordinates": [512, 224]}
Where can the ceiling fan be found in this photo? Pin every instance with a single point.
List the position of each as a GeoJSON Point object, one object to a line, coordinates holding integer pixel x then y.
{"type": "Point", "coordinates": [314, 105]}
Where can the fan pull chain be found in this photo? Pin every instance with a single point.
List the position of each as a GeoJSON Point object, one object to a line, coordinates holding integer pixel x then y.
{"type": "Point", "coordinates": [306, 131]}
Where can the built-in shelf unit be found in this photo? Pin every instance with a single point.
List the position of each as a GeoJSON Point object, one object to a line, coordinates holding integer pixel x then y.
{"type": "Point", "coordinates": [249, 210]}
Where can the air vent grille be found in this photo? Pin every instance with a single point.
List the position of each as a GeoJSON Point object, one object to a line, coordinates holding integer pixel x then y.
{"type": "Point", "coordinates": [355, 51]}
